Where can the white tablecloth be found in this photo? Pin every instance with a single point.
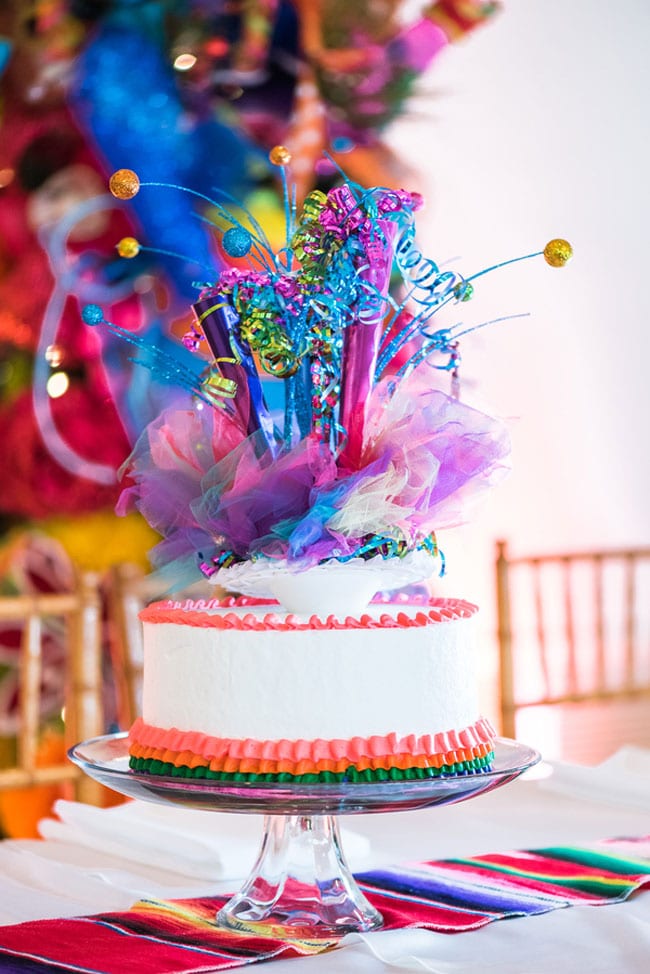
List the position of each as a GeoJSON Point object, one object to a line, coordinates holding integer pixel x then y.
{"type": "Point", "coordinates": [83, 868]}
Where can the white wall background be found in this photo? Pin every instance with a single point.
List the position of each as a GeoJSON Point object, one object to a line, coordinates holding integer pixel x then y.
{"type": "Point", "coordinates": [537, 126]}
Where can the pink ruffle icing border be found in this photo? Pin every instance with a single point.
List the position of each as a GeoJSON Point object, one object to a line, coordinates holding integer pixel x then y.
{"type": "Point", "coordinates": [201, 614]}
{"type": "Point", "coordinates": [146, 735]}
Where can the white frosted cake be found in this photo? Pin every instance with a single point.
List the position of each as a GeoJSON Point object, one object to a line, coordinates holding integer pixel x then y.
{"type": "Point", "coordinates": [240, 690]}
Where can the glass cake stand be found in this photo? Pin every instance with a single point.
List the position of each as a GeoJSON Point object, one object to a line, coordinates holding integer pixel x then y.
{"type": "Point", "coordinates": [300, 886]}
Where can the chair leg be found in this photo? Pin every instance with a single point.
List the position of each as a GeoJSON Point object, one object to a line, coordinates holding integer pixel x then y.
{"type": "Point", "coordinates": [85, 685]}
{"type": "Point", "coordinates": [504, 631]}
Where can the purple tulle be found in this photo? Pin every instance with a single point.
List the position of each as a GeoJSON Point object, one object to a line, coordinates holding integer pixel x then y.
{"type": "Point", "coordinates": [165, 472]}
{"type": "Point", "coordinates": [449, 452]}
{"type": "Point", "coordinates": [262, 493]}
{"type": "Point", "coordinates": [208, 489]}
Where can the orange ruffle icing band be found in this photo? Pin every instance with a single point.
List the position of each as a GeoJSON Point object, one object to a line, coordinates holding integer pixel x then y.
{"type": "Point", "coordinates": [191, 749]}
{"type": "Point", "coordinates": [201, 614]}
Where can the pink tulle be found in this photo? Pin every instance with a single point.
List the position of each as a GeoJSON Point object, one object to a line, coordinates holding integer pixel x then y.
{"type": "Point", "coordinates": [265, 493]}
{"type": "Point", "coordinates": [166, 470]}
{"type": "Point", "coordinates": [208, 489]}
{"type": "Point", "coordinates": [448, 451]}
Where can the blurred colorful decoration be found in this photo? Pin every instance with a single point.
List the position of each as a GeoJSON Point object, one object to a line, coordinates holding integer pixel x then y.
{"type": "Point", "coordinates": [223, 79]}
{"type": "Point", "coordinates": [97, 540]}
{"type": "Point", "coordinates": [359, 65]}
{"type": "Point", "coordinates": [36, 485]}
{"type": "Point", "coordinates": [30, 564]}
{"type": "Point", "coordinates": [126, 98]}
{"type": "Point", "coordinates": [21, 809]}
{"type": "Point", "coordinates": [70, 404]}
{"type": "Point", "coordinates": [193, 94]}
{"type": "Point", "coordinates": [37, 562]}
{"type": "Point", "coordinates": [59, 233]}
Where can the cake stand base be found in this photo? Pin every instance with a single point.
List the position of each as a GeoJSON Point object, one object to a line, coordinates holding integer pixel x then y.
{"type": "Point", "coordinates": [300, 885]}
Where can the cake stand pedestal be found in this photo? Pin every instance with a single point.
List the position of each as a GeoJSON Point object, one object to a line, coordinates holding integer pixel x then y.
{"type": "Point", "coordinates": [300, 886]}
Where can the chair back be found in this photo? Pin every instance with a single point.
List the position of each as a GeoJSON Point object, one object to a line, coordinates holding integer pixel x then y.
{"type": "Point", "coordinates": [574, 628]}
{"type": "Point", "coordinates": [129, 590]}
{"type": "Point", "coordinates": [80, 615]}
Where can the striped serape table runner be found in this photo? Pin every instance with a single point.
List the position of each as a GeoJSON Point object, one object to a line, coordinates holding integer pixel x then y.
{"type": "Point", "coordinates": [451, 895]}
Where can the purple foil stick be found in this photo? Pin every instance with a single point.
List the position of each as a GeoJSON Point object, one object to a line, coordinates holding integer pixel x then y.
{"type": "Point", "coordinates": [217, 319]}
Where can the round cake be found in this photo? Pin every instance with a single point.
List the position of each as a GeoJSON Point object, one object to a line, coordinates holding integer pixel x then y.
{"type": "Point", "coordinates": [239, 690]}
{"type": "Point", "coordinates": [311, 509]}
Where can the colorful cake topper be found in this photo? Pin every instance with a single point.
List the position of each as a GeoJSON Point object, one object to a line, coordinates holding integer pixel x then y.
{"type": "Point", "coordinates": [371, 460]}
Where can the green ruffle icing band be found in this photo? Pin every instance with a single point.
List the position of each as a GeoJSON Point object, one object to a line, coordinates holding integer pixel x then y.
{"type": "Point", "coordinates": [351, 774]}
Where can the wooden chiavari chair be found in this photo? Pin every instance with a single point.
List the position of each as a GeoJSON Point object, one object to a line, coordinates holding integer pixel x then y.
{"type": "Point", "coordinates": [80, 613]}
{"type": "Point", "coordinates": [574, 629]}
{"type": "Point", "coordinates": [129, 590]}
{"type": "Point", "coordinates": [126, 595]}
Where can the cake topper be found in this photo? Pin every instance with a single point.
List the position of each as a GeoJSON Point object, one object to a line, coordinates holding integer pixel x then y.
{"type": "Point", "coordinates": [370, 459]}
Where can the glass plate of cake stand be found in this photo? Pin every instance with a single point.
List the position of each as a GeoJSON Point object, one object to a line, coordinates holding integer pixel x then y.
{"type": "Point", "coordinates": [300, 886]}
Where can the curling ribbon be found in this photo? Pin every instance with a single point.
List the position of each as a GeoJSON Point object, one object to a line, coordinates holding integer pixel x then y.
{"type": "Point", "coordinates": [68, 280]}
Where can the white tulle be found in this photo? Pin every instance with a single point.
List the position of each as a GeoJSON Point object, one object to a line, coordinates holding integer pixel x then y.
{"type": "Point", "coordinates": [373, 508]}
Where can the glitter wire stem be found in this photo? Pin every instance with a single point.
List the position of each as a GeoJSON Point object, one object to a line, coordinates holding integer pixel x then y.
{"type": "Point", "coordinates": [493, 321]}
{"type": "Point", "coordinates": [294, 210]}
{"type": "Point", "coordinates": [175, 255]}
{"type": "Point", "coordinates": [288, 254]}
{"type": "Point", "coordinates": [363, 190]}
{"type": "Point", "coordinates": [166, 365]}
{"type": "Point", "coordinates": [288, 205]}
{"type": "Point", "coordinates": [390, 350]}
{"type": "Point", "coordinates": [450, 335]}
{"type": "Point", "coordinates": [504, 263]}
{"type": "Point", "coordinates": [396, 343]}
{"type": "Point", "coordinates": [398, 308]}
{"type": "Point", "coordinates": [259, 236]}
{"type": "Point", "coordinates": [262, 239]}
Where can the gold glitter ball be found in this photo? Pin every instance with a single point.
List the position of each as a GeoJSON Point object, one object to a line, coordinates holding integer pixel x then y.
{"type": "Point", "coordinates": [128, 247]}
{"type": "Point", "coordinates": [558, 252]}
{"type": "Point", "coordinates": [124, 184]}
{"type": "Point", "coordinates": [280, 155]}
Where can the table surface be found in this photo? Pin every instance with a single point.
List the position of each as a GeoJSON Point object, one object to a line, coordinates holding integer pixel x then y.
{"type": "Point", "coordinates": [65, 878]}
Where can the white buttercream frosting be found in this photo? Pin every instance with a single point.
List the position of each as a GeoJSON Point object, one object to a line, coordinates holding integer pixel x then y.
{"type": "Point", "coordinates": [310, 684]}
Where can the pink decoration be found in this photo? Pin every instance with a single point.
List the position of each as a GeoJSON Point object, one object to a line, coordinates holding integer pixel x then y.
{"type": "Point", "coordinates": [438, 748]}
{"type": "Point", "coordinates": [162, 613]}
{"type": "Point", "coordinates": [361, 344]}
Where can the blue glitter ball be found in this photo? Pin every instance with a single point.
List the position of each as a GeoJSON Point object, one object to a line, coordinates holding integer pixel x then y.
{"type": "Point", "coordinates": [237, 242]}
{"type": "Point", "coordinates": [92, 314]}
